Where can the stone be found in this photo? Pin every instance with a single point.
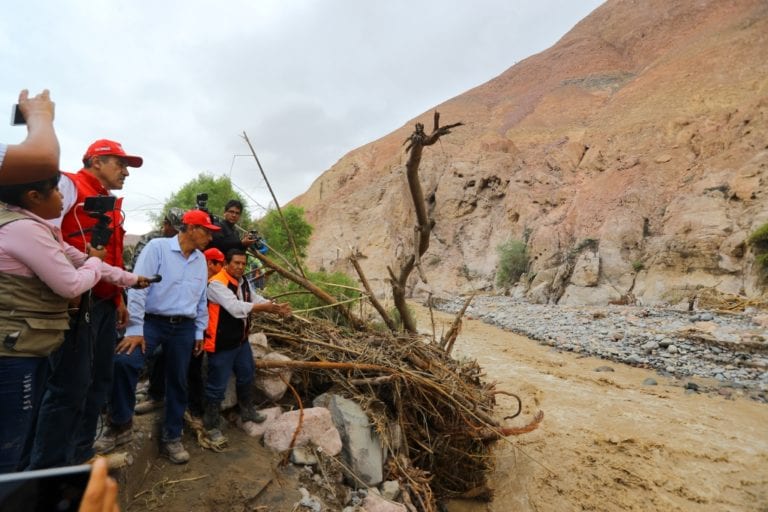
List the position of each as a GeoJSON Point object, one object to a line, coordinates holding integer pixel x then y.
{"type": "Point", "coordinates": [303, 455]}
{"type": "Point", "coordinates": [650, 382]}
{"type": "Point", "coordinates": [257, 429]}
{"type": "Point", "coordinates": [362, 451]}
{"type": "Point", "coordinates": [316, 428]}
{"type": "Point", "coordinates": [390, 490]}
{"type": "Point", "coordinates": [375, 503]}
{"type": "Point", "coordinates": [273, 382]}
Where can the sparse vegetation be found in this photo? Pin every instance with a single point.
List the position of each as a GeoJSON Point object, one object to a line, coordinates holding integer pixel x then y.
{"type": "Point", "coordinates": [759, 242]}
{"type": "Point", "coordinates": [338, 284]}
{"type": "Point", "coordinates": [513, 262]}
{"type": "Point", "coordinates": [638, 265]}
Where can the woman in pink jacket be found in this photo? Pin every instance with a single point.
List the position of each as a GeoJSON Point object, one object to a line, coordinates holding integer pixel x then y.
{"type": "Point", "coordinates": [39, 274]}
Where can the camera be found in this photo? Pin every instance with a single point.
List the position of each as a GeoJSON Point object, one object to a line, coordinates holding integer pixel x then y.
{"type": "Point", "coordinates": [17, 118]}
{"type": "Point", "coordinates": [260, 245]}
{"type": "Point", "coordinates": [97, 207]}
{"type": "Point", "coordinates": [201, 201]}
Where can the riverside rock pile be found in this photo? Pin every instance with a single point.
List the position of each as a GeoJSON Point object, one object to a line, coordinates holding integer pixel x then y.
{"type": "Point", "coordinates": [731, 348]}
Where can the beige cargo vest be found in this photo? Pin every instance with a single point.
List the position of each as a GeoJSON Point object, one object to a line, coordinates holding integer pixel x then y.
{"type": "Point", "coordinates": [33, 318]}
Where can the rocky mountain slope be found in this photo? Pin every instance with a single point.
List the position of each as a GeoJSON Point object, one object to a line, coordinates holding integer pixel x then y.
{"type": "Point", "coordinates": [631, 157]}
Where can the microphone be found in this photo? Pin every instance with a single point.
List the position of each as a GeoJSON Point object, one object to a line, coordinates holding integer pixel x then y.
{"type": "Point", "coordinates": [155, 278]}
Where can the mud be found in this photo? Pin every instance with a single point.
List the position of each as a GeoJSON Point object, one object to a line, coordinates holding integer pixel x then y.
{"type": "Point", "coordinates": [608, 442]}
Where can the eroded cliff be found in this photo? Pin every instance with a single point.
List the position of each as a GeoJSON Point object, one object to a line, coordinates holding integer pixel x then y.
{"type": "Point", "coordinates": [632, 157]}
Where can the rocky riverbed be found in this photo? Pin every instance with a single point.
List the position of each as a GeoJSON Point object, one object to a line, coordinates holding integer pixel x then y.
{"type": "Point", "coordinates": [732, 349]}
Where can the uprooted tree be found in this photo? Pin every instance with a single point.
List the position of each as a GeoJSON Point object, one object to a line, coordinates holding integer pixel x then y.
{"type": "Point", "coordinates": [434, 413]}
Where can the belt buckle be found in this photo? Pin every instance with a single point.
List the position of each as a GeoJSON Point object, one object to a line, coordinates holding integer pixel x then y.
{"type": "Point", "coordinates": [175, 319]}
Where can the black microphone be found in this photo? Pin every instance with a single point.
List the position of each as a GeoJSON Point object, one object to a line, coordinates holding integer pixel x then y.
{"type": "Point", "coordinates": [155, 278]}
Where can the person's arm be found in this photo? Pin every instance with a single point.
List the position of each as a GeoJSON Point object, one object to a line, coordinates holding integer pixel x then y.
{"type": "Point", "coordinates": [43, 254]}
{"type": "Point", "coordinates": [37, 157]}
{"type": "Point", "coordinates": [148, 264]}
{"type": "Point", "coordinates": [223, 296]}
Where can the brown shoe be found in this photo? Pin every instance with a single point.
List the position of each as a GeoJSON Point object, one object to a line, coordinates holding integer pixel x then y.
{"type": "Point", "coordinates": [112, 437]}
{"type": "Point", "coordinates": [175, 452]}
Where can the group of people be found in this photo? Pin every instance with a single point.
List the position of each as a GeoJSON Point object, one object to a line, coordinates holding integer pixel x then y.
{"type": "Point", "coordinates": [64, 300]}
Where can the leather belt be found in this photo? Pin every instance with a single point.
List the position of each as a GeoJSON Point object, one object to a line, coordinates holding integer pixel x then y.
{"type": "Point", "coordinates": [167, 319]}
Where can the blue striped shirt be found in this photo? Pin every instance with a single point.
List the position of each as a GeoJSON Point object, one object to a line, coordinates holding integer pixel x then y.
{"type": "Point", "coordinates": [182, 292]}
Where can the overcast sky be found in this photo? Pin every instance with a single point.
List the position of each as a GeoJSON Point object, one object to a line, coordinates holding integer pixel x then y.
{"type": "Point", "coordinates": [308, 80]}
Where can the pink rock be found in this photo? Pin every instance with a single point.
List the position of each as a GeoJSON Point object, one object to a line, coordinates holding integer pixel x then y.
{"type": "Point", "coordinates": [375, 503]}
{"type": "Point", "coordinates": [257, 429]}
{"type": "Point", "coordinates": [316, 428]}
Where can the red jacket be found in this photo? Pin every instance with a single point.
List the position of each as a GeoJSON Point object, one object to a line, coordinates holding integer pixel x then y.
{"type": "Point", "coordinates": [76, 224]}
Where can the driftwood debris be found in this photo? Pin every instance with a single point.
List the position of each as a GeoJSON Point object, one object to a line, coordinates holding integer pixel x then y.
{"type": "Point", "coordinates": [434, 414]}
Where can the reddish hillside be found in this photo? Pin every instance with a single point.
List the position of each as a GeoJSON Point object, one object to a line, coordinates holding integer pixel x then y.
{"type": "Point", "coordinates": [632, 156]}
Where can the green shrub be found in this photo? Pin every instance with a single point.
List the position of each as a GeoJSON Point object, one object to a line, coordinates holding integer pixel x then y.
{"type": "Point", "coordinates": [513, 262]}
{"type": "Point", "coordinates": [762, 261]}
{"type": "Point", "coordinates": [759, 241]}
{"type": "Point", "coordinates": [338, 284]}
{"type": "Point", "coordinates": [759, 236]}
{"type": "Point", "coordinates": [638, 265]}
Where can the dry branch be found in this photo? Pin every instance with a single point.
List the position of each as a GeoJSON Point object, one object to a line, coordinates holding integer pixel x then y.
{"type": "Point", "coordinates": [416, 142]}
{"type": "Point", "coordinates": [433, 412]}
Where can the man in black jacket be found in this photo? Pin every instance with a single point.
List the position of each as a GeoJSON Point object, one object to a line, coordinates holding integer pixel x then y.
{"type": "Point", "coordinates": [227, 238]}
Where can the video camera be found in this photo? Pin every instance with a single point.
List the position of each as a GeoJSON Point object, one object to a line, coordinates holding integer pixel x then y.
{"type": "Point", "coordinates": [201, 201]}
{"type": "Point", "coordinates": [97, 207]}
{"type": "Point", "coordinates": [260, 244]}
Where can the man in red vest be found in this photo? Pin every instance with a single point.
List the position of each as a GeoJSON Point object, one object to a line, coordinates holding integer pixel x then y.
{"type": "Point", "coordinates": [82, 367]}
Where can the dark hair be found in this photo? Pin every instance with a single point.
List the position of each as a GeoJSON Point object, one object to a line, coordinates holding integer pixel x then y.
{"type": "Point", "coordinates": [233, 202]}
{"type": "Point", "coordinates": [14, 194]}
{"type": "Point", "coordinates": [232, 253]}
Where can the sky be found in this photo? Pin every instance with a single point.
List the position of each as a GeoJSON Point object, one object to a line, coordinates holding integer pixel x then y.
{"type": "Point", "coordinates": [308, 80]}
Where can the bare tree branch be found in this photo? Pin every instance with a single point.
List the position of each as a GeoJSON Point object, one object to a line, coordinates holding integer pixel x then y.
{"type": "Point", "coordinates": [415, 144]}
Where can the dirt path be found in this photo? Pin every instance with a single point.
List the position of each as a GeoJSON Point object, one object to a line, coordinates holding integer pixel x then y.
{"type": "Point", "coordinates": [608, 442]}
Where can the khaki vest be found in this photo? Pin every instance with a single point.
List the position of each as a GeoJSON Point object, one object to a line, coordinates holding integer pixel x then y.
{"type": "Point", "coordinates": [33, 318]}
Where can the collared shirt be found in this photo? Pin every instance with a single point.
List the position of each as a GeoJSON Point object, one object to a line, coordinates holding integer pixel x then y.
{"type": "Point", "coordinates": [68, 197]}
{"type": "Point", "coordinates": [218, 293]}
{"type": "Point", "coordinates": [34, 247]}
{"type": "Point", "coordinates": [182, 291]}
{"type": "Point", "coordinates": [3, 147]}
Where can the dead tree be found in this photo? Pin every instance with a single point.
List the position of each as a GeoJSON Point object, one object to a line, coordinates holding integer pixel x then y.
{"type": "Point", "coordinates": [424, 224]}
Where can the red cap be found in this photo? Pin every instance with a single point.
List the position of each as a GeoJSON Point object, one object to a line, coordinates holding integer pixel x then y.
{"type": "Point", "coordinates": [198, 218]}
{"type": "Point", "coordinates": [213, 254]}
{"type": "Point", "coordinates": [111, 148]}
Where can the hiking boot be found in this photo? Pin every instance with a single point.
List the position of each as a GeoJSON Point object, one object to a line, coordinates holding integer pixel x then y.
{"type": "Point", "coordinates": [211, 416]}
{"type": "Point", "coordinates": [175, 452]}
{"type": "Point", "coordinates": [249, 413]}
{"type": "Point", "coordinates": [114, 436]}
{"type": "Point", "coordinates": [215, 437]}
{"type": "Point", "coordinates": [148, 405]}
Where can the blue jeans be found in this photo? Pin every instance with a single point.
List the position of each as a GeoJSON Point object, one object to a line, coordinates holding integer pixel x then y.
{"type": "Point", "coordinates": [22, 382]}
{"type": "Point", "coordinates": [220, 366]}
{"type": "Point", "coordinates": [77, 389]}
{"type": "Point", "coordinates": [178, 342]}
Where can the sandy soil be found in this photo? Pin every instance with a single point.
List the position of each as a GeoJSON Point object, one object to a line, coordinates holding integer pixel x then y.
{"type": "Point", "coordinates": [610, 443]}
